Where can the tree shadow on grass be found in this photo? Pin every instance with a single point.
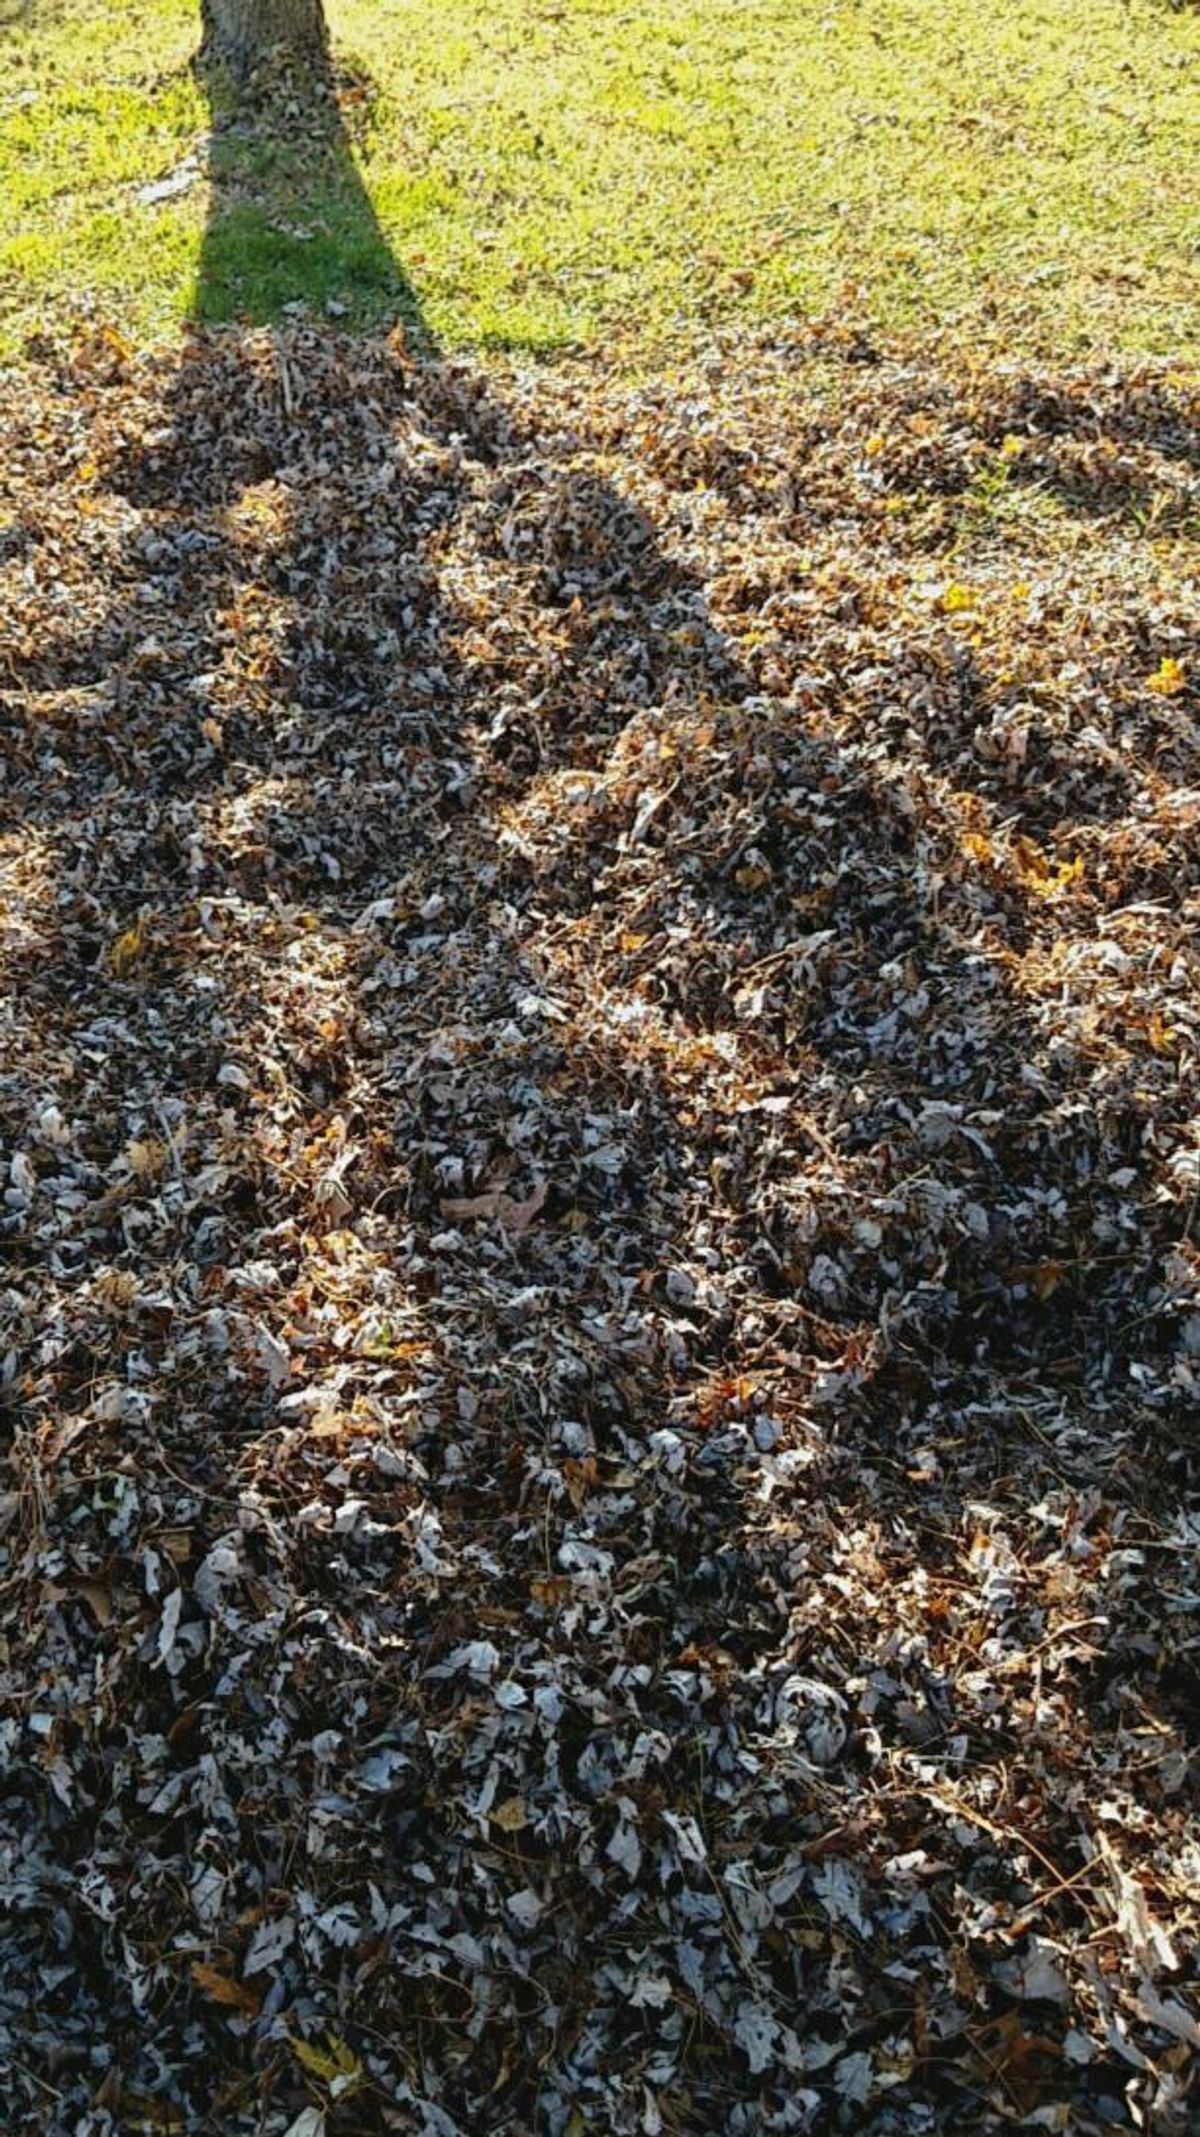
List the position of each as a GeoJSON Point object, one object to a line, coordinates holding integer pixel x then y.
{"type": "Point", "coordinates": [290, 225]}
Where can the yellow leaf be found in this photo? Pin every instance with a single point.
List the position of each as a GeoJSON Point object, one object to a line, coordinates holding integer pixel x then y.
{"type": "Point", "coordinates": [144, 1157]}
{"type": "Point", "coordinates": [334, 2062]}
{"type": "Point", "coordinates": [1041, 876]}
{"type": "Point", "coordinates": [977, 846]}
{"type": "Point", "coordinates": [956, 597]}
{"type": "Point", "coordinates": [1066, 876]}
{"type": "Point", "coordinates": [512, 1816]}
{"type": "Point", "coordinates": [126, 949]}
{"type": "Point", "coordinates": [1168, 679]}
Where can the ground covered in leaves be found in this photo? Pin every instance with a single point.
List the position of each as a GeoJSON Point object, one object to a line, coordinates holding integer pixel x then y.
{"type": "Point", "coordinates": [599, 1306]}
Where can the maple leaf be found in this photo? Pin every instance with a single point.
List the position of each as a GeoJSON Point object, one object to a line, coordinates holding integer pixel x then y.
{"type": "Point", "coordinates": [335, 2065]}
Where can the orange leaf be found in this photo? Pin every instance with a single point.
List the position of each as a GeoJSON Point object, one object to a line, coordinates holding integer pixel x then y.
{"type": "Point", "coordinates": [550, 1590]}
{"type": "Point", "coordinates": [1046, 1278]}
{"type": "Point", "coordinates": [580, 1478]}
{"type": "Point", "coordinates": [221, 1988]}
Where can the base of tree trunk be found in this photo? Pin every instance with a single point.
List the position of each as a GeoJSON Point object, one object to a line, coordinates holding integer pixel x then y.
{"type": "Point", "coordinates": [242, 34]}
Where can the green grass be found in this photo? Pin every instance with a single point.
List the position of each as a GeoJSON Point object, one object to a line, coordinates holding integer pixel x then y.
{"type": "Point", "coordinates": [577, 172]}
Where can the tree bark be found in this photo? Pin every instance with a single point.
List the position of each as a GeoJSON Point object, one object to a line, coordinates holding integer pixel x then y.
{"type": "Point", "coordinates": [242, 33]}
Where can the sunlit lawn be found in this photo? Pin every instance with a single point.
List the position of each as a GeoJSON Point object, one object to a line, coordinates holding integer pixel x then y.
{"type": "Point", "coordinates": [554, 173]}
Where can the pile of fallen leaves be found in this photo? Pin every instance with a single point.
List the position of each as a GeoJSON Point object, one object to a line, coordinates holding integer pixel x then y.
{"type": "Point", "coordinates": [599, 1289]}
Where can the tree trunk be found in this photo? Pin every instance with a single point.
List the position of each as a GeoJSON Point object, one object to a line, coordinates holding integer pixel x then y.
{"type": "Point", "coordinates": [242, 33]}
